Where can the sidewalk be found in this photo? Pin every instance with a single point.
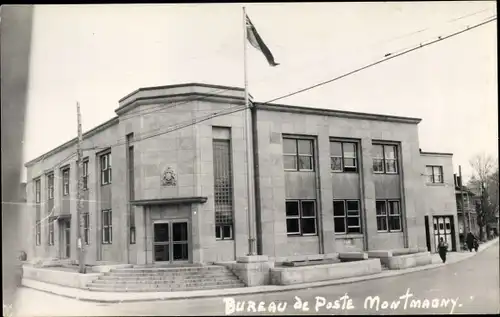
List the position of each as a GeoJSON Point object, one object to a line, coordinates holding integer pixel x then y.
{"type": "Point", "coordinates": [119, 297]}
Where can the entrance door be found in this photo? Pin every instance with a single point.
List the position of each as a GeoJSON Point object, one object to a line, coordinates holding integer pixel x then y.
{"type": "Point", "coordinates": [443, 229]}
{"type": "Point", "coordinates": [171, 241]}
{"type": "Point", "coordinates": [66, 238]}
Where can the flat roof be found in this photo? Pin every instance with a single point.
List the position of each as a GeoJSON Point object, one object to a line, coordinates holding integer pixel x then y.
{"type": "Point", "coordinates": [436, 153]}
{"type": "Point", "coordinates": [259, 106]}
{"type": "Point", "coordinates": [72, 142]}
{"type": "Point", "coordinates": [335, 113]}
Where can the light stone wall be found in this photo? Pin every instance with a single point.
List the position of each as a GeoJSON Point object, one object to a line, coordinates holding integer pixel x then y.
{"type": "Point", "coordinates": [188, 151]}
{"type": "Point", "coordinates": [274, 238]}
{"type": "Point", "coordinates": [440, 199]}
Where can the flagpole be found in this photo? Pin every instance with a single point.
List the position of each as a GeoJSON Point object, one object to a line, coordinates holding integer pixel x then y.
{"type": "Point", "coordinates": [251, 239]}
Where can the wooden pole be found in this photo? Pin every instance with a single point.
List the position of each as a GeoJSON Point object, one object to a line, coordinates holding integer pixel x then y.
{"type": "Point", "coordinates": [79, 174]}
{"type": "Point", "coordinates": [462, 199]}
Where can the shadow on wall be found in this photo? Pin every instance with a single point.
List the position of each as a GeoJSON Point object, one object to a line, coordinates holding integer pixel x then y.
{"type": "Point", "coordinates": [15, 28]}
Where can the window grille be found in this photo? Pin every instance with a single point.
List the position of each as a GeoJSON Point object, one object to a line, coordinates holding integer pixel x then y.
{"type": "Point", "coordinates": [223, 189]}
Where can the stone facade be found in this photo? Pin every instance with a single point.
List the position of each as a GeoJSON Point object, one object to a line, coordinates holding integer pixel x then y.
{"type": "Point", "coordinates": [439, 197]}
{"type": "Point", "coordinates": [172, 129]}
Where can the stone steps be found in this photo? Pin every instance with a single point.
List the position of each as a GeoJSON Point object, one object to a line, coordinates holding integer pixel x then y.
{"type": "Point", "coordinates": [166, 279]}
{"type": "Point", "coordinates": [145, 275]}
{"type": "Point", "coordinates": [163, 287]}
{"type": "Point", "coordinates": [162, 278]}
{"type": "Point", "coordinates": [183, 270]}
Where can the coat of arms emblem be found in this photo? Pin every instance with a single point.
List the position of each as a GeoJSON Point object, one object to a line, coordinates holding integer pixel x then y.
{"type": "Point", "coordinates": [168, 177]}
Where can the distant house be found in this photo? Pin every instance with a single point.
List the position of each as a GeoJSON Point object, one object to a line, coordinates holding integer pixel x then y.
{"type": "Point", "coordinates": [440, 211]}
{"type": "Point", "coordinates": [470, 199]}
{"type": "Point", "coordinates": [23, 221]}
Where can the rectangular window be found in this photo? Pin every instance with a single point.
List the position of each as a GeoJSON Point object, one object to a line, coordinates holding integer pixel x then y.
{"type": "Point", "coordinates": [38, 197]}
{"type": "Point", "coordinates": [298, 154]}
{"type": "Point", "coordinates": [385, 159]}
{"type": "Point", "coordinates": [107, 227]}
{"type": "Point", "coordinates": [50, 186]}
{"type": "Point", "coordinates": [434, 174]}
{"type": "Point", "coordinates": [346, 216]}
{"type": "Point", "coordinates": [85, 174]}
{"type": "Point", "coordinates": [86, 228]}
{"type": "Point", "coordinates": [343, 156]}
{"type": "Point", "coordinates": [301, 217]}
{"type": "Point", "coordinates": [381, 216]}
{"type": "Point", "coordinates": [223, 189]}
{"type": "Point", "coordinates": [65, 173]}
{"type": "Point", "coordinates": [388, 215]}
{"type": "Point", "coordinates": [131, 184]}
{"type": "Point", "coordinates": [51, 231]}
{"type": "Point", "coordinates": [38, 232]}
{"type": "Point", "coordinates": [106, 169]}
{"type": "Point", "coordinates": [132, 235]}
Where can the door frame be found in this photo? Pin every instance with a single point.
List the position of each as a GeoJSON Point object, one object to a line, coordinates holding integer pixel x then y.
{"type": "Point", "coordinates": [170, 233]}
{"type": "Point", "coordinates": [453, 245]}
{"type": "Point", "coordinates": [63, 241]}
{"type": "Point", "coordinates": [428, 234]}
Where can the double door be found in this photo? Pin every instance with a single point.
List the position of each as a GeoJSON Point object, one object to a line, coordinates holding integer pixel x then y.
{"type": "Point", "coordinates": [443, 228]}
{"type": "Point", "coordinates": [171, 241]}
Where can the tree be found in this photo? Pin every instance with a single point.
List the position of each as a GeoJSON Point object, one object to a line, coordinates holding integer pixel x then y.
{"type": "Point", "coordinates": [485, 182]}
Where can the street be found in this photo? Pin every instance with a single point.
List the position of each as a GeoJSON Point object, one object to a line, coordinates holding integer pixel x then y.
{"type": "Point", "coordinates": [470, 286]}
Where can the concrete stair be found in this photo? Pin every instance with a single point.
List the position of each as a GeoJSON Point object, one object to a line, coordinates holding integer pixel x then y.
{"type": "Point", "coordinates": [155, 279]}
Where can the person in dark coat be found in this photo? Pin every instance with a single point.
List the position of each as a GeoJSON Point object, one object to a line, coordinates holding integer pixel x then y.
{"type": "Point", "coordinates": [476, 244]}
{"type": "Point", "coordinates": [442, 249]}
{"type": "Point", "coordinates": [470, 241]}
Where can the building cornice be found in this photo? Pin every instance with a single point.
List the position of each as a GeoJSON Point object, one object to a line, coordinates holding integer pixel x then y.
{"type": "Point", "coordinates": [436, 154]}
{"type": "Point", "coordinates": [173, 98]}
{"type": "Point", "coordinates": [181, 86]}
{"type": "Point", "coordinates": [189, 91]}
{"type": "Point", "coordinates": [64, 146]}
{"type": "Point", "coordinates": [335, 113]}
{"type": "Point", "coordinates": [169, 201]}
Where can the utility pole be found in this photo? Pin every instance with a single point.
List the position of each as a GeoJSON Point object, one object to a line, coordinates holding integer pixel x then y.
{"type": "Point", "coordinates": [462, 197]}
{"type": "Point", "coordinates": [81, 255]}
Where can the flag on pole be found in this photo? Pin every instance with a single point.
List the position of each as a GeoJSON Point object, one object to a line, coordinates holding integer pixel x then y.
{"type": "Point", "coordinates": [257, 42]}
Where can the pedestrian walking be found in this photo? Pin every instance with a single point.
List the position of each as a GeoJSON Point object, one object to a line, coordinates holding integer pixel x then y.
{"type": "Point", "coordinates": [470, 241]}
{"type": "Point", "coordinates": [476, 244]}
{"type": "Point", "coordinates": [442, 249]}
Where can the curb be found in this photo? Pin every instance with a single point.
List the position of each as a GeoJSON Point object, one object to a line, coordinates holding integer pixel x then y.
{"type": "Point", "coordinates": [247, 290]}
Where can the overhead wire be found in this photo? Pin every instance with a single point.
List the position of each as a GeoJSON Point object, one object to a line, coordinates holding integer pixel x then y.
{"type": "Point", "coordinates": [226, 112]}
{"type": "Point", "coordinates": [237, 109]}
{"type": "Point", "coordinates": [166, 109]}
{"type": "Point", "coordinates": [263, 79]}
{"type": "Point", "coordinates": [440, 38]}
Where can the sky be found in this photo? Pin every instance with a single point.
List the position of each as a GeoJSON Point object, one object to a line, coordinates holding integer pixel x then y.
{"type": "Point", "coordinates": [97, 54]}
